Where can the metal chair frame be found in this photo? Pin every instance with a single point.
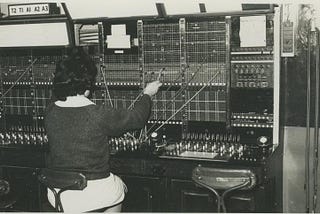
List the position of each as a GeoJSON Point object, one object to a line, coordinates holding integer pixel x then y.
{"type": "Point", "coordinates": [248, 183]}
{"type": "Point", "coordinates": [64, 180]}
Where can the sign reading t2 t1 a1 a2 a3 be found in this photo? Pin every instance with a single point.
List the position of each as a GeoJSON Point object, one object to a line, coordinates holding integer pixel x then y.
{"type": "Point", "coordinates": [28, 9]}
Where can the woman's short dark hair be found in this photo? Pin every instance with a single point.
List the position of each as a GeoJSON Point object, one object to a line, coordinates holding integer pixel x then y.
{"type": "Point", "coordinates": [74, 75]}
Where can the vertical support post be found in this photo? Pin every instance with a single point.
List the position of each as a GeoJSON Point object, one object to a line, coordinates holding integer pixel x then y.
{"type": "Point", "coordinates": [202, 8]}
{"type": "Point", "coordinates": [316, 121]}
{"type": "Point", "coordinates": [183, 66]}
{"type": "Point", "coordinates": [101, 60]}
{"type": "Point", "coordinates": [70, 25]}
{"type": "Point", "coordinates": [77, 28]}
{"type": "Point", "coordinates": [2, 113]}
{"type": "Point", "coordinates": [161, 10]}
{"type": "Point", "coordinates": [101, 39]}
{"type": "Point", "coordinates": [228, 71]}
{"type": "Point", "coordinates": [308, 105]}
{"type": "Point", "coordinates": [141, 62]}
{"type": "Point", "coordinates": [33, 94]}
{"type": "Point", "coordinates": [276, 76]}
{"type": "Point", "coordinates": [140, 52]}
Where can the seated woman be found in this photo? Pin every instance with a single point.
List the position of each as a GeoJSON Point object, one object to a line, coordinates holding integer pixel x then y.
{"type": "Point", "coordinates": [78, 132]}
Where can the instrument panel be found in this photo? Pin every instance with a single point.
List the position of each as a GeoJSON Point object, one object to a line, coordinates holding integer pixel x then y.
{"type": "Point", "coordinates": [217, 101]}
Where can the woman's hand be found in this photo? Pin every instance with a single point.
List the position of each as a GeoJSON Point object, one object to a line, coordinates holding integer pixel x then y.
{"type": "Point", "coordinates": [152, 88]}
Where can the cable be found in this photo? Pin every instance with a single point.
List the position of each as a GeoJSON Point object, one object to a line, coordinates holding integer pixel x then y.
{"type": "Point", "coordinates": [186, 103]}
{"type": "Point", "coordinates": [173, 99]}
{"type": "Point", "coordinates": [130, 135]}
{"type": "Point", "coordinates": [102, 69]}
{"type": "Point", "coordinates": [160, 73]}
{"type": "Point", "coordinates": [5, 93]}
{"type": "Point", "coordinates": [101, 58]}
{"type": "Point", "coordinates": [202, 61]}
{"type": "Point", "coordinates": [141, 93]}
{"type": "Point", "coordinates": [180, 90]}
{"type": "Point", "coordinates": [168, 89]}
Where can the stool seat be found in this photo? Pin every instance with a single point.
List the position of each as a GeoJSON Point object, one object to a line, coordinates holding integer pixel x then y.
{"type": "Point", "coordinates": [225, 180]}
{"type": "Point", "coordinates": [63, 180]}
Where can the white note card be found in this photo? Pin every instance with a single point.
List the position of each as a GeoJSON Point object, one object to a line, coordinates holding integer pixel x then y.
{"type": "Point", "coordinates": [118, 30]}
{"type": "Point", "coordinates": [118, 37]}
{"type": "Point", "coordinates": [115, 41]}
{"type": "Point", "coordinates": [253, 31]}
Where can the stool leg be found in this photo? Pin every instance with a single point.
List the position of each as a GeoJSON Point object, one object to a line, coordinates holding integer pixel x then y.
{"type": "Point", "coordinates": [60, 208]}
{"type": "Point", "coordinates": [56, 203]}
{"type": "Point", "coordinates": [219, 203]}
{"type": "Point", "coordinates": [219, 199]}
{"type": "Point", "coordinates": [58, 200]}
{"type": "Point", "coordinates": [224, 209]}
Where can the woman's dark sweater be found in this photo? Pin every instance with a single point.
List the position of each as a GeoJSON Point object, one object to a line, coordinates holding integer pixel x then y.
{"type": "Point", "coordinates": [78, 136]}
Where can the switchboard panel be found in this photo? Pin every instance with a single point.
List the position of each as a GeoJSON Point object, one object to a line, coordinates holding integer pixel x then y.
{"type": "Point", "coordinates": [217, 101]}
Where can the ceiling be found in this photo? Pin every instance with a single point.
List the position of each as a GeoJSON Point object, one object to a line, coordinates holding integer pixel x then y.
{"type": "Point", "coordinates": [81, 9]}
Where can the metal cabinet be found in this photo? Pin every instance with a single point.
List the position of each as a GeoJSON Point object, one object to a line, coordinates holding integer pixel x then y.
{"type": "Point", "coordinates": [166, 186]}
{"type": "Point", "coordinates": [145, 194]}
{"type": "Point", "coordinates": [184, 196]}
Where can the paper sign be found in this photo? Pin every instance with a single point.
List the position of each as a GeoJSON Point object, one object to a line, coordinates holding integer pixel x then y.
{"type": "Point", "coordinates": [115, 41]}
{"type": "Point", "coordinates": [28, 9]}
{"type": "Point", "coordinates": [253, 31]}
{"type": "Point", "coordinates": [118, 30]}
{"type": "Point", "coordinates": [118, 38]}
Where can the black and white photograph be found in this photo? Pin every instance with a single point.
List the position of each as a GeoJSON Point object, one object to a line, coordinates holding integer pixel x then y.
{"type": "Point", "coordinates": [166, 106]}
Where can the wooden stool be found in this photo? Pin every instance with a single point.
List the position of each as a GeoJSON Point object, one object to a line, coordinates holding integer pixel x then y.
{"type": "Point", "coordinates": [226, 180]}
{"type": "Point", "coordinates": [64, 180]}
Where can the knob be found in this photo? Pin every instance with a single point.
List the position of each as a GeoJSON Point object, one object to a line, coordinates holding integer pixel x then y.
{"type": "Point", "coordinates": [205, 147]}
{"type": "Point", "coordinates": [239, 84]}
{"type": "Point", "coordinates": [238, 138]}
{"type": "Point", "coordinates": [240, 149]}
{"type": "Point", "coordinates": [188, 136]}
{"type": "Point", "coordinates": [26, 136]}
{"type": "Point", "coordinates": [217, 137]}
{"type": "Point", "coordinates": [189, 145]}
{"type": "Point", "coordinates": [213, 137]}
{"type": "Point", "coordinates": [183, 136]}
{"type": "Point", "coordinates": [231, 149]}
{"type": "Point", "coordinates": [206, 137]}
{"type": "Point", "coordinates": [195, 147]}
{"type": "Point", "coordinates": [264, 84]}
{"type": "Point", "coordinates": [40, 139]}
{"type": "Point", "coordinates": [214, 147]}
{"type": "Point", "coordinates": [192, 137]}
{"type": "Point", "coordinates": [222, 137]}
{"type": "Point", "coordinates": [45, 139]}
{"type": "Point", "coordinates": [225, 138]}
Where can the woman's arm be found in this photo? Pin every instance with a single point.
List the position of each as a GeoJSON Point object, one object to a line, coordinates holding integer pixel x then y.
{"type": "Point", "coordinates": [118, 121]}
